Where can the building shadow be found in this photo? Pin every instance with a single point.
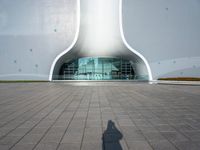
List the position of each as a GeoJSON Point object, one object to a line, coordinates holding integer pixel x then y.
{"type": "Point", "coordinates": [111, 137]}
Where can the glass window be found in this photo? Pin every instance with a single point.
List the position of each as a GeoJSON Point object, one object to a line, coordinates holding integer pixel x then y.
{"type": "Point", "coordinates": [97, 68]}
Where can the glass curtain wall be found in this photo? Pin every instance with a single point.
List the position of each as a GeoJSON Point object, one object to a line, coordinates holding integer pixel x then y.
{"type": "Point", "coordinates": [97, 68]}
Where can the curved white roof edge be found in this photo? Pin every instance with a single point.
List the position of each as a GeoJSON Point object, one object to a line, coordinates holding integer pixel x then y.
{"type": "Point", "coordinates": [128, 46]}
{"type": "Point", "coordinates": [122, 36]}
{"type": "Point", "coordinates": [71, 46]}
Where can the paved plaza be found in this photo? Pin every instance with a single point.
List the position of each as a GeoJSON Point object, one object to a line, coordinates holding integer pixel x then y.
{"type": "Point", "coordinates": [99, 116]}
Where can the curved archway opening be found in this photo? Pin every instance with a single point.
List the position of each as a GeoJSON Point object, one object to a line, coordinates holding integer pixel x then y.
{"type": "Point", "coordinates": [102, 42]}
{"type": "Point", "coordinates": [99, 68]}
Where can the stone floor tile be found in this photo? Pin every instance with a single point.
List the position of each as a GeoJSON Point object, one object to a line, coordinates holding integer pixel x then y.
{"type": "Point", "coordinates": [139, 145]}
{"type": "Point", "coordinates": [23, 147]}
{"type": "Point", "coordinates": [91, 146]}
{"type": "Point", "coordinates": [174, 136]}
{"type": "Point", "coordinates": [46, 146]}
{"type": "Point", "coordinates": [147, 116]}
{"type": "Point", "coordinates": [72, 138]}
{"type": "Point", "coordinates": [69, 146]}
{"type": "Point", "coordinates": [187, 145]}
{"type": "Point", "coordinates": [9, 140]}
{"type": "Point", "coordinates": [162, 145]}
{"type": "Point", "coordinates": [4, 147]}
{"type": "Point", "coordinates": [154, 136]}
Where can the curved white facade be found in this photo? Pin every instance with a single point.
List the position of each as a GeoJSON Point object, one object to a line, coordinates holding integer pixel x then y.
{"type": "Point", "coordinates": [100, 34]}
{"type": "Point", "coordinates": [34, 33]}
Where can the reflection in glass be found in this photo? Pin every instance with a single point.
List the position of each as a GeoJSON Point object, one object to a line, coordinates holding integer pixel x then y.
{"type": "Point", "coordinates": [97, 68]}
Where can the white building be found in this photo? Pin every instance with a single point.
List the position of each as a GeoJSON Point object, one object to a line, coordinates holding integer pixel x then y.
{"type": "Point", "coordinates": [99, 39]}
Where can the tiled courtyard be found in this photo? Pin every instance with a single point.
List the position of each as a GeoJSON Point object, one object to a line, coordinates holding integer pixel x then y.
{"type": "Point", "coordinates": [99, 116]}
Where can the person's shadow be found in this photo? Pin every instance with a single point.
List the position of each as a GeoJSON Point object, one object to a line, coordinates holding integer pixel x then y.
{"type": "Point", "coordinates": [111, 137]}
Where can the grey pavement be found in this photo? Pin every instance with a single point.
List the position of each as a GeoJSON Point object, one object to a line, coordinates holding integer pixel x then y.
{"type": "Point", "coordinates": [99, 116]}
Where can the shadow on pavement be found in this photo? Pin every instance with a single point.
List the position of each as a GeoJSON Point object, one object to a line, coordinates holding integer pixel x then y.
{"type": "Point", "coordinates": [111, 137]}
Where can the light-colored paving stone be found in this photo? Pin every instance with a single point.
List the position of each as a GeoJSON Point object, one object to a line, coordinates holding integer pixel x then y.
{"type": "Point", "coordinates": [99, 115]}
